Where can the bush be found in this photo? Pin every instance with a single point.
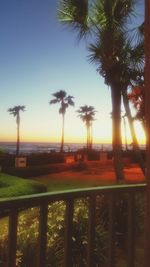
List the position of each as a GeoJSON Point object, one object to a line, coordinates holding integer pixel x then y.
{"type": "Point", "coordinates": [8, 160]}
{"type": "Point", "coordinates": [27, 239]}
{"type": "Point", "coordinates": [38, 170]}
{"type": "Point", "coordinates": [93, 155]}
{"type": "Point", "coordinates": [45, 158]}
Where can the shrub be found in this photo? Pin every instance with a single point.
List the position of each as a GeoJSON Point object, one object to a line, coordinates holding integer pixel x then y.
{"type": "Point", "coordinates": [45, 158]}
{"type": "Point", "coordinates": [8, 160]}
{"type": "Point", "coordinates": [27, 240]}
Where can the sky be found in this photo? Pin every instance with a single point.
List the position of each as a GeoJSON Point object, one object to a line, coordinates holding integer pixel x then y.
{"type": "Point", "coordinates": [38, 57]}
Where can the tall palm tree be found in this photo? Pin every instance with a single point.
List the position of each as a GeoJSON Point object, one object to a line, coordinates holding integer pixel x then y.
{"type": "Point", "coordinates": [137, 92]}
{"type": "Point", "coordinates": [125, 131]}
{"type": "Point", "coordinates": [65, 101]}
{"type": "Point", "coordinates": [132, 69]}
{"type": "Point", "coordinates": [15, 111]}
{"type": "Point", "coordinates": [106, 22]}
{"type": "Point", "coordinates": [136, 148]}
{"type": "Point", "coordinates": [87, 113]}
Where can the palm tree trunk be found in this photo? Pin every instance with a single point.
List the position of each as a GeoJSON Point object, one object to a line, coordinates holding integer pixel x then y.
{"type": "Point", "coordinates": [91, 136]}
{"type": "Point", "coordinates": [144, 125]}
{"type": "Point", "coordinates": [62, 137]}
{"type": "Point", "coordinates": [116, 131]}
{"type": "Point", "coordinates": [87, 140]}
{"type": "Point", "coordinates": [133, 134]}
{"type": "Point", "coordinates": [18, 136]}
{"type": "Point", "coordinates": [125, 133]}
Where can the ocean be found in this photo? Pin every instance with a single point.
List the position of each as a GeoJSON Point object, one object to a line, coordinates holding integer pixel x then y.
{"type": "Point", "coordinates": [41, 147]}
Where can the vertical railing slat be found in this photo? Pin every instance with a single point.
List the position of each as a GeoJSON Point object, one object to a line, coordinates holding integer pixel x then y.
{"type": "Point", "coordinates": [12, 238]}
{"type": "Point", "coordinates": [111, 231]}
{"type": "Point", "coordinates": [91, 231]}
{"type": "Point", "coordinates": [42, 235]}
{"type": "Point", "coordinates": [131, 230]}
{"type": "Point", "coordinates": [68, 232]}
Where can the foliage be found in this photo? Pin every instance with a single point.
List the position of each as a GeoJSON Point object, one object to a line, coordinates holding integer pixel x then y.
{"type": "Point", "coordinates": [45, 158]}
{"type": "Point", "coordinates": [27, 240]}
{"type": "Point", "coordinates": [137, 98]}
{"type": "Point", "coordinates": [64, 100]}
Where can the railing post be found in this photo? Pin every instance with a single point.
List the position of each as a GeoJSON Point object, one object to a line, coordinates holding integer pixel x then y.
{"type": "Point", "coordinates": [68, 233]}
{"type": "Point", "coordinates": [91, 231]}
{"type": "Point", "coordinates": [42, 235]}
{"type": "Point", "coordinates": [131, 230]}
{"type": "Point", "coordinates": [12, 238]}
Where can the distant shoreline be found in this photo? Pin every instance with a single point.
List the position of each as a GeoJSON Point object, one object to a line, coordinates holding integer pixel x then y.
{"type": "Point", "coordinates": [47, 147]}
{"type": "Point", "coordinates": [38, 147]}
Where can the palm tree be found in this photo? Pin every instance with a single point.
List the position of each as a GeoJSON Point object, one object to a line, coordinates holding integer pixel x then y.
{"type": "Point", "coordinates": [106, 22]}
{"type": "Point", "coordinates": [136, 76]}
{"type": "Point", "coordinates": [15, 111]}
{"type": "Point", "coordinates": [132, 69]}
{"type": "Point", "coordinates": [125, 131]}
{"type": "Point", "coordinates": [87, 113]}
{"type": "Point", "coordinates": [65, 101]}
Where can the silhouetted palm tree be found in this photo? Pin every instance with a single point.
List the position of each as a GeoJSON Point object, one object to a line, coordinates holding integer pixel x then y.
{"type": "Point", "coordinates": [65, 101]}
{"type": "Point", "coordinates": [125, 130]}
{"type": "Point", "coordinates": [106, 21]}
{"type": "Point", "coordinates": [87, 113]}
{"type": "Point", "coordinates": [133, 62]}
{"type": "Point", "coordinates": [136, 74]}
{"type": "Point", "coordinates": [15, 111]}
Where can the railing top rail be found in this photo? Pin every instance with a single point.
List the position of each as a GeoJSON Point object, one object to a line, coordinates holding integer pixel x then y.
{"type": "Point", "coordinates": [38, 199]}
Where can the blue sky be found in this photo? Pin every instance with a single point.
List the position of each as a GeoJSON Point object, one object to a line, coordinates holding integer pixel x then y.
{"type": "Point", "coordinates": [40, 56]}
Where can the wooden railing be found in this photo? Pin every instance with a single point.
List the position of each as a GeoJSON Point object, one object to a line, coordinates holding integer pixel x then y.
{"type": "Point", "coordinates": [14, 206]}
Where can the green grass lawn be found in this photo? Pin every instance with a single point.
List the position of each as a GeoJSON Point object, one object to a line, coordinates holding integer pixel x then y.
{"type": "Point", "coordinates": [11, 186]}
{"type": "Point", "coordinates": [66, 185]}
{"type": "Point", "coordinates": [71, 180]}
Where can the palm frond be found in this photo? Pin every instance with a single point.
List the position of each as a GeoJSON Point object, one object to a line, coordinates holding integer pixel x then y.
{"type": "Point", "coordinates": [64, 100]}
{"type": "Point", "coordinates": [86, 113]}
{"type": "Point", "coordinates": [54, 101]}
{"type": "Point", "coordinates": [75, 14]}
{"type": "Point", "coordinates": [69, 100]}
{"type": "Point", "coordinates": [16, 109]}
{"type": "Point", "coordinates": [61, 94]}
